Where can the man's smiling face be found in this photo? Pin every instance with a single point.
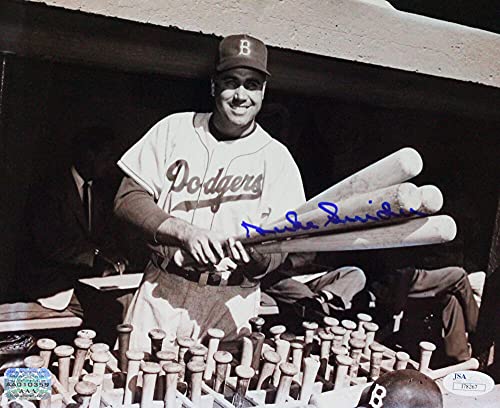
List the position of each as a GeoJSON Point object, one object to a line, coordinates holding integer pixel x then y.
{"type": "Point", "coordinates": [238, 96]}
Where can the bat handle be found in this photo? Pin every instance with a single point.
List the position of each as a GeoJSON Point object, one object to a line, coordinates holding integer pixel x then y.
{"type": "Point", "coordinates": [283, 349]}
{"type": "Point", "coordinates": [356, 351]}
{"type": "Point", "coordinates": [343, 364]}
{"type": "Point", "coordinates": [472, 364]}
{"type": "Point", "coordinates": [311, 368]}
{"type": "Point", "coordinates": [150, 371]}
{"type": "Point", "coordinates": [377, 352]}
{"type": "Point", "coordinates": [271, 359]}
{"type": "Point", "coordinates": [100, 360]}
{"type": "Point", "coordinates": [196, 368]}
{"type": "Point", "coordinates": [46, 347]}
{"type": "Point", "coordinates": [213, 344]}
{"type": "Point", "coordinates": [82, 346]}
{"type": "Point", "coordinates": [134, 358]}
{"type": "Point", "coordinates": [124, 330]}
{"type": "Point", "coordinates": [85, 390]}
{"type": "Point", "coordinates": [222, 359]}
{"type": "Point", "coordinates": [96, 379]}
{"type": "Point", "coordinates": [401, 360]}
{"type": "Point", "coordinates": [64, 354]}
{"type": "Point", "coordinates": [172, 371]}
{"type": "Point", "coordinates": [426, 349]}
{"type": "Point", "coordinates": [244, 374]}
{"type": "Point", "coordinates": [288, 371]}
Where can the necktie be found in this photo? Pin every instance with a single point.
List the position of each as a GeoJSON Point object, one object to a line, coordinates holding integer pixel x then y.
{"type": "Point", "coordinates": [87, 204]}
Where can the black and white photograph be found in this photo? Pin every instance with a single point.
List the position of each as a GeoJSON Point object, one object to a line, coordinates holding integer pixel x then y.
{"type": "Point", "coordinates": [249, 203]}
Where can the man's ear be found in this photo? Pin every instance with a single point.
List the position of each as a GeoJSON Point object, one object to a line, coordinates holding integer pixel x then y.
{"type": "Point", "coordinates": [264, 89]}
{"type": "Point", "coordinates": [212, 87]}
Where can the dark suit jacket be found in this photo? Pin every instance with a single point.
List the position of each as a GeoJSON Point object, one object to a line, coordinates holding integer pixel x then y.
{"type": "Point", "coordinates": [59, 249]}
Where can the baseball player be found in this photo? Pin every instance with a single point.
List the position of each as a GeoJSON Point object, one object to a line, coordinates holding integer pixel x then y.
{"type": "Point", "coordinates": [189, 183]}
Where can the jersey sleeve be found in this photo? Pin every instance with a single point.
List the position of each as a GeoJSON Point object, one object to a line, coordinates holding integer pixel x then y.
{"type": "Point", "coordinates": [145, 161]}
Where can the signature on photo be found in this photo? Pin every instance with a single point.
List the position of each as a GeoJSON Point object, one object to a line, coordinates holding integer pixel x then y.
{"type": "Point", "coordinates": [331, 211]}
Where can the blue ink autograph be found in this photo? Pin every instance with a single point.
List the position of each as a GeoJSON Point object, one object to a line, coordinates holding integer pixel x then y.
{"type": "Point", "coordinates": [331, 211]}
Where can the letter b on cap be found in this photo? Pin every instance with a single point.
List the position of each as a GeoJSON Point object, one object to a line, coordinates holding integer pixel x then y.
{"type": "Point", "coordinates": [244, 47]}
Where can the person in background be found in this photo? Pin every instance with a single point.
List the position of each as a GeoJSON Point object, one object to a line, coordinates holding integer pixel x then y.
{"type": "Point", "coordinates": [72, 233]}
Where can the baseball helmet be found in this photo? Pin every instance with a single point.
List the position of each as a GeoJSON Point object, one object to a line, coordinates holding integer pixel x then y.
{"type": "Point", "coordinates": [402, 389]}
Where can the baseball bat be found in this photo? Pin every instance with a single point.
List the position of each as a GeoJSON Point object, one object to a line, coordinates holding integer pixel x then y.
{"type": "Point", "coordinates": [163, 356]}
{"type": "Point", "coordinates": [172, 370]}
{"type": "Point", "coordinates": [184, 343]}
{"type": "Point", "coordinates": [421, 231]}
{"type": "Point", "coordinates": [86, 333]}
{"type": "Point", "coordinates": [277, 331]}
{"type": "Point", "coordinates": [63, 354]}
{"type": "Point", "coordinates": [326, 344]}
{"type": "Point", "coordinates": [244, 374]}
{"type": "Point", "coordinates": [387, 205]}
{"type": "Point", "coordinates": [343, 362]}
{"type": "Point", "coordinates": [256, 323]}
{"type": "Point", "coordinates": [349, 327]}
{"type": "Point", "coordinates": [150, 371]}
{"type": "Point", "coordinates": [124, 331]}
{"type": "Point", "coordinates": [82, 346]}
{"type": "Point", "coordinates": [330, 322]}
{"type": "Point", "coordinates": [33, 362]}
{"type": "Point", "coordinates": [100, 359]}
{"type": "Point", "coordinates": [401, 360]}
{"type": "Point", "coordinates": [257, 339]}
{"type": "Point", "coordinates": [222, 359]}
{"type": "Point", "coordinates": [271, 360]}
{"type": "Point", "coordinates": [134, 358]}
{"type": "Point", "coordinates": [431, 199]}
{"type": "Point", "coordinates": [426, 349]}
{"type": "Point", "coordinates": [358, 335]}
{"type": "Point", "coordinates": [311, 368]}
{"type": "Point", "coordinates": [99, 347]}
{"type": "Point", "coordinates": [215, 336]}
{"type": "Point", "coordinates": [46, 347]}
{"type": "Point", "coordinates": [297, 347]}
{"type": "Point", "coordinates": [363, 318]}
{"type": "Point", "coordinates": [196, 369]}
{"type": "Point", "coordinates": [113, 364]}
{"type": "Point", "coordinates": [156, 337]}
{"type": "Point", "coordinates": [370, 330]}
{"type": "Point", "coordinates": [85, 390]}
{"type": "Point", "coordinates": [334, 353]}
{"type": "Point", "coordinates": [338, 336]}
{"type": "Point", "coordinates": [396, 168]}
{"type": "Point", "coordinates": [246, 352]}
{"type": "Point", "coordinates": [198, 352]}
{"type": "Point", "coordinates": [472, 364]}
{"type": "Point", "coordinates": [376, 355]}
{"type": "Point", "coordinates": [59, 389]}
{"type": "Point", "coordinates": [283, 349]}
{"type": "Point", "coordinates": [309, 332]}
{"type": "Point", "coordinates": [96, 379]}
{"type": "Point", "coordinates": [288, 371]}
{"type": "Point", "coordinates": [356, 346]}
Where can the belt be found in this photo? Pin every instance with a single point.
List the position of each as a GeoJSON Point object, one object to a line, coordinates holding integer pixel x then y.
{"type": "Point", "coordinates": [211, 278]}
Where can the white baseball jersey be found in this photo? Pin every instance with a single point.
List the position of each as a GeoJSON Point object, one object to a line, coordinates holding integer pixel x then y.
{"type": "Point", "coordinates": [214, 185]}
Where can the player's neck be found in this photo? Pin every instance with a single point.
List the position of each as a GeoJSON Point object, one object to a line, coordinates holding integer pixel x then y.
{"type": "Point", "coordinates": [223, 133]}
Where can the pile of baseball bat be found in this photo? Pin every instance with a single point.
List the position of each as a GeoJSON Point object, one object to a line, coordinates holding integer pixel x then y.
{"type": "Point", "coordinates": [374, 208]}
{"type": "Point", "coordinates": [281, 370]}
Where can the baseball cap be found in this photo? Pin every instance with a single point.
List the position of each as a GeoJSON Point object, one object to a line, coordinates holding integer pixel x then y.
{"type": "Point", "coordinates": [242, 51]}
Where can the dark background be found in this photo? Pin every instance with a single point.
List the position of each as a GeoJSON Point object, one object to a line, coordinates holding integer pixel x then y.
{"type": "Point", "coordinates": [484, 14]}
